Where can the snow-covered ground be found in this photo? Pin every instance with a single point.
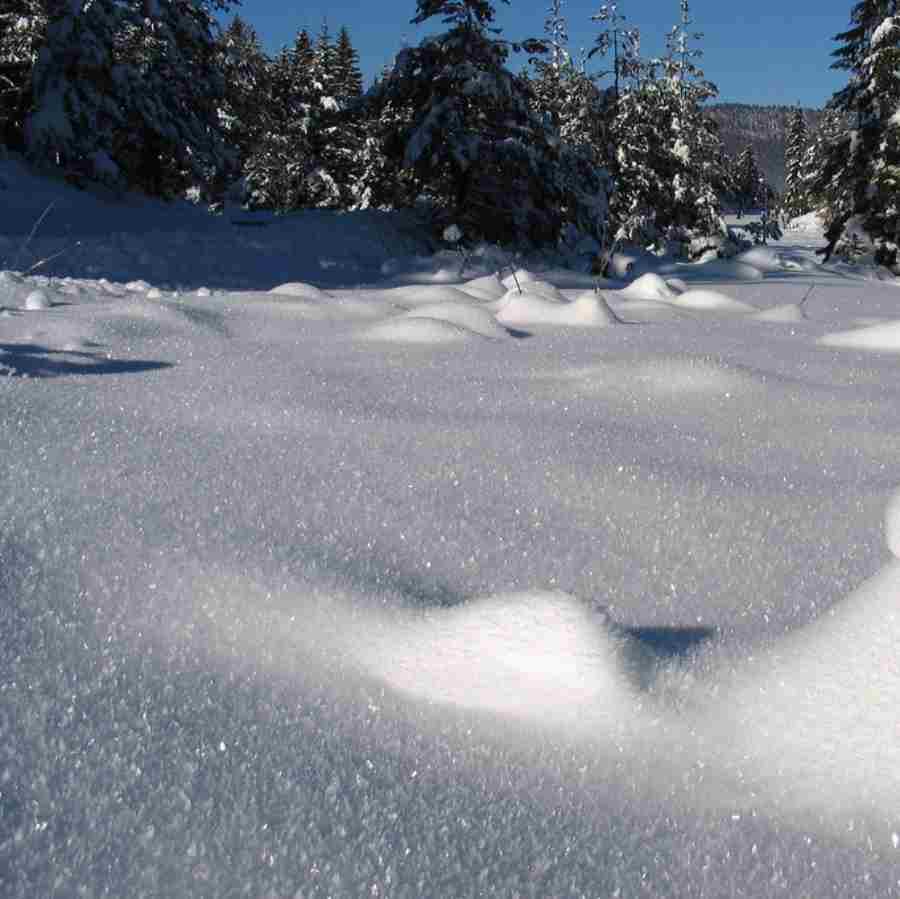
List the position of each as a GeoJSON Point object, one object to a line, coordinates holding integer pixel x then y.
{"type": "Point", "coordinates": [399, 582]}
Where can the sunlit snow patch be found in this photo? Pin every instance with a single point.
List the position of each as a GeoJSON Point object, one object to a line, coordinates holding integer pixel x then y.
{"type": "Point", "coordinates": [490, 287]}
{"type": "Point", "coordinates": [764, 259]}
{"type": "Point", "coordinates": [725, 269]}
{"type": "Point", "coordinates": [543, 657]}
{"type": "Point", "coordinates": [884, 337]}
{"type": "Point", "coordinates": [787, 312]}
{"type": "Point", "coordinates": [416, 329]}
{"type": "Point", "coordinates": [711, 301]}
{"type": "Point", "coordinates": [659, 379]}
{"type": "Point", "coordinates": [37, 300]}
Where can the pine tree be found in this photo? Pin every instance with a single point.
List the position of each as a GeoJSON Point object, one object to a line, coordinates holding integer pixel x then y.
{"type": "Point", "coordinates": [621, 42]}
{"type": "Point", "coordinates": [23, 28]}
{"type": "Point", "coordinates": [348, 78]}
{"type": "Point", "coordinates": [131, 88]}
{"type": "Point", "coordinates": [173, 135]}
{"type": "Point", "coordinates": [669, 164]}
{"type": "Point", "coordinates": [245, 73]}
{"type": "Point", "coordinates": [77, 111]}
{"type": "Point", "coordinates": [796, 197]}
{"type": "Point", "coordinates": [863, 168]}
{"type": "Point", "coordinates": [490, 163]}
{"type": "Point", "coordinates": [276, 170]}
{"type": "Point", "coordinates": [819, 172]}
{"type": "Point", "coordinates": [748, 180]}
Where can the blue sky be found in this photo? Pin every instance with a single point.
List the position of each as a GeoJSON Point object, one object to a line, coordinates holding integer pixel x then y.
{"type": "Point", "coordinates": [765, 51]}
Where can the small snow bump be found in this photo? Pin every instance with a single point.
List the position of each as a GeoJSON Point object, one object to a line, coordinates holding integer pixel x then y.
{"type": "Point", "coordinates": [37, 300]}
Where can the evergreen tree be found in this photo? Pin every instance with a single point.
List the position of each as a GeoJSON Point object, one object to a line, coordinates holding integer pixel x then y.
{"type": "Point", "coordinates": [347, 76]}
{"type": "Point", "coordinates": [490, 163]}
{"type": "Point", "coordinates": [623, 43]}
{"type": "Point", "coordinates": [669, 164]}
{"type": "Point", "coordinates": [748, 180]}
{"type": "Point", "coordinates": [131, 88]}
{"type": "Point", "coordinates": [796, 198]}
{"type": "Point", "coordinates": [822, 186]}
{"type": "Point", "coordinates": [276, 170]}
{"type": "Point", "coordinates": [245, 69]}
{"type": "Point", "coordinates": [23, 27]}
{"type": "Point", "coordinates": [173, 135]}
{"type": "Point", "coordinates": [78, 111]}
{"type": "Point", "coordinates": [863, 168]}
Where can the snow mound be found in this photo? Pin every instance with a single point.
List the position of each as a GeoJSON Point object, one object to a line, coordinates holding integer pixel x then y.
{"type": "Point", "coordinates": [817, 714]}
{"type": "Point", "coordinates": [412, 295]}
{"type": "Point", "coordinates": [729, 269]}
{"type": "Point", "coordinates": [37, 300]}
{"type": "Point", "coordinates": [587, 310]}
{"type": "Point", "coordinates": [300, 290]}
{"type": "Point", "coordinates": [711, 301]}
{"type": "Point", "coordinates": [764, 259]}
{"type": "Point", "coordinates": [649, 287]}
{"type": "Point", "coordinates": [416, 329]}
{"type": "Point", "coordinates": [542, 289]}
{"type": "Point", "coordinates": [659, 380]}
{"type": "Point", "coordinates": [538, 656]}
{"type": "Point", "coordinates": [811, 223]}
{"type": "Point", "coordinates": [884, 337]}
{"type": "Point", "coordinates": [787, 312]}
{"type": "Point", "coordinates": [490, 287]}
{"type": "Point", "coordinates": [472, 318]}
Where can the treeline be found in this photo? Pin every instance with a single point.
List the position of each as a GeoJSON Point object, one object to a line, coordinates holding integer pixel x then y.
{"type": "Point", "coordinates": [149, 94]}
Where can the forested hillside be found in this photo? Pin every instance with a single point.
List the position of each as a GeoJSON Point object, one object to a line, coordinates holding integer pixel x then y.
{"type": "Point", "coordinates": [762, 127]}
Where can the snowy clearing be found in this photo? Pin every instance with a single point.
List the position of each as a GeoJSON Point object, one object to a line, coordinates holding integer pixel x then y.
{"type": "Point", "coordinates": [396, 582]}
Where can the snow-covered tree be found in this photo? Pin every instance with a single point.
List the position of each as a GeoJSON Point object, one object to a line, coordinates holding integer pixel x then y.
{"type": "Point", "coordinates": [620, 42]}
{"type": "Point", "coordinates": [275, 171]}
{"type": "Point", "coordinates": [23, 27]}
{"type": "Point", "coordinates": [796, 196]}
{"type": "Point", "coordinates": [348, 79]}
{"type": "Point", "coordinates": [488, 161]}
{"type": "Point", "coordinates": [245, 68]}
{"type": "Point", "coordinates": [131, 88]}
{"type": "Point", "coordinates": [749, 181]}
{"type": "Point", "coordinates": [669, 163]}
{"type": "Point", "coordinates": [864, 167]}
{"type": "Point", "coordinates": [78, 109]}
{"type": "Point", "coordinates": [822, 164]}
{"type": "Point", "coordinates": [171, 96]}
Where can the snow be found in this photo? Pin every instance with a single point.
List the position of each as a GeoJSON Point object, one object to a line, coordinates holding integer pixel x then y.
{"type": "Point", "coordinates": [332, 580]}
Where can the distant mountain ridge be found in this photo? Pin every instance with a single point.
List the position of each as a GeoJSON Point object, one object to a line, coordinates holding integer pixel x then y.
{"type": "Point", "coordinates": [762, 127]}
